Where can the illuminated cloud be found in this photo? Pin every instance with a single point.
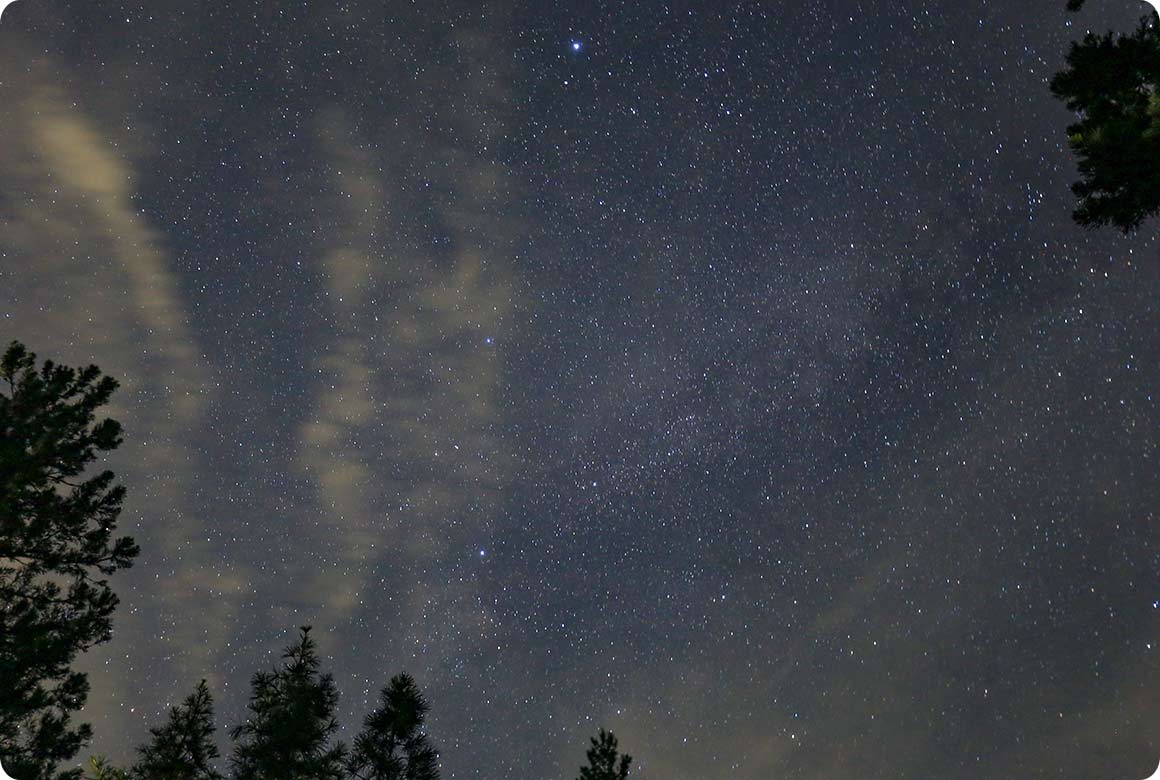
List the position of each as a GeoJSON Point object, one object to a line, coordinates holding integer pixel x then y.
{"type": "Point", "coordinates": [74, 239]}
{"type": "Point", "coordinates": [403, 444]}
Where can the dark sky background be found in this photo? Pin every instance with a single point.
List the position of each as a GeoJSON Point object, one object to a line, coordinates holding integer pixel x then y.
{"type": "Point", "coordinates": [729, 374]}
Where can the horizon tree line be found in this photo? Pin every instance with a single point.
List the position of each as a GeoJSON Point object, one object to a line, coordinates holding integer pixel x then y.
{"type": "Point", "coordinates": [289, 732]}
{"type": "Point", "coordinates": [58, 547]}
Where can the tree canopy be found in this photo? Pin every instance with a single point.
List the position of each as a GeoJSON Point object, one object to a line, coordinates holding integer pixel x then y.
{"type": "Point", "coordinates": [57, 549]}
{"type": "Point", "coordinates": [183, 748]}
{"type": "Point", "coordinates": [288, 735]}
{"type": "Point", "coordinates": [1113, 83]}
{"type": "Point", "coordinates": [392, 744]}
{"type": "Point", "coordinates": [604, 760]}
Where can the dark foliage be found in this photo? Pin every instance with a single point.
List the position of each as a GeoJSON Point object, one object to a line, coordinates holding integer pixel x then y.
{"type": "Point", "coordinates": [101, 769]}
{"type": "Point", "coordinates": [288, 733]}
{"type": "Point", "coordinates": [602, 759]}
{"type": "Point", "coordinates": [183, 748]}
{"type": "Point", "coordinates": [56, 550]}
{"type": "Point", "coordinates": [1113, 82]}
{"type": "Point", "coordinates": [392, 745]}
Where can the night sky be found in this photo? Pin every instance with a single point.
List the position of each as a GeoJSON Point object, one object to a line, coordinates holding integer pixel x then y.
{"type": "Point", "coordinates": [728, 374]}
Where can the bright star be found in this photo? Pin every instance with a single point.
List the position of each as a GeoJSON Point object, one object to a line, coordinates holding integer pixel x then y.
{"type": "Point", "coordinates": [576, 46]}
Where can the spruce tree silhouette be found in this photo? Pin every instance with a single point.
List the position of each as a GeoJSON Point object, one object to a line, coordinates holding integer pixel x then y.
{"type": "Point", "coordinates": [101, 769]}
{"type": "Point", "coordinates": [56, 550]}
{"type": "Point", "coordinates": [1113, 82]}
{"type": "Point", "coordinates": [183, 748]}
{"type": "Point", "coordinates": [602, 760]}
{"type": "Point", "coordinates": [288, 733]}
{"type": "Point", "coordinates": [392, 745]}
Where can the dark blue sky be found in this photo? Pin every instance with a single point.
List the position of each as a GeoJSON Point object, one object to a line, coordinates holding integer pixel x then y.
{"type": "Point", "coordinates": [737, 381]}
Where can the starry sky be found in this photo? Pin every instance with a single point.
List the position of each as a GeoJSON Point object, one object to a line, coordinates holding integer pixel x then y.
{"type": "Point", "coordinates": [728, 374]}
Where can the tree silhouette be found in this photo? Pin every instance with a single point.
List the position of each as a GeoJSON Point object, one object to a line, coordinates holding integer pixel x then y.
{"type": "Point", "coordinates": [101, 769]}
{"type": "Point", "coordinates": [392, 745]}
{"type": "Point", "coordinates": [56, 550]}
{"type": "Point", "coordinates": [287, 735]}
{"type": "Point", "coordinates": [1113, 82]}
{"type": "Point", "coordinates": [183, 748]}
{"type": "Point", "coordinates": [602, 759]}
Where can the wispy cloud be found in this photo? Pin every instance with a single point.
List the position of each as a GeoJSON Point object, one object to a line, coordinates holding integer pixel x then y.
{"type": "Point", "coordinates": [404, 445]}
{"type": "Point", "coordinates": [89, 280]}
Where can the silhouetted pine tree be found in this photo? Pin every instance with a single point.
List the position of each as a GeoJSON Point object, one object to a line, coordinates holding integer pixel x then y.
{"type": "Point", "coordinates": [56, 550]}
{"type": "Point", "coordinates": [1113, 82]}
{"type": "Point", "coordinates": [392, 745]}
{"type": "Point", "coordinates": [101, 769]}
{"type": "Point", "coordinates": [287, 735]}
{"type": "Point", "coordinates": [602, 760]}
{"type": "Point", "coordinates": [183, 748]}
